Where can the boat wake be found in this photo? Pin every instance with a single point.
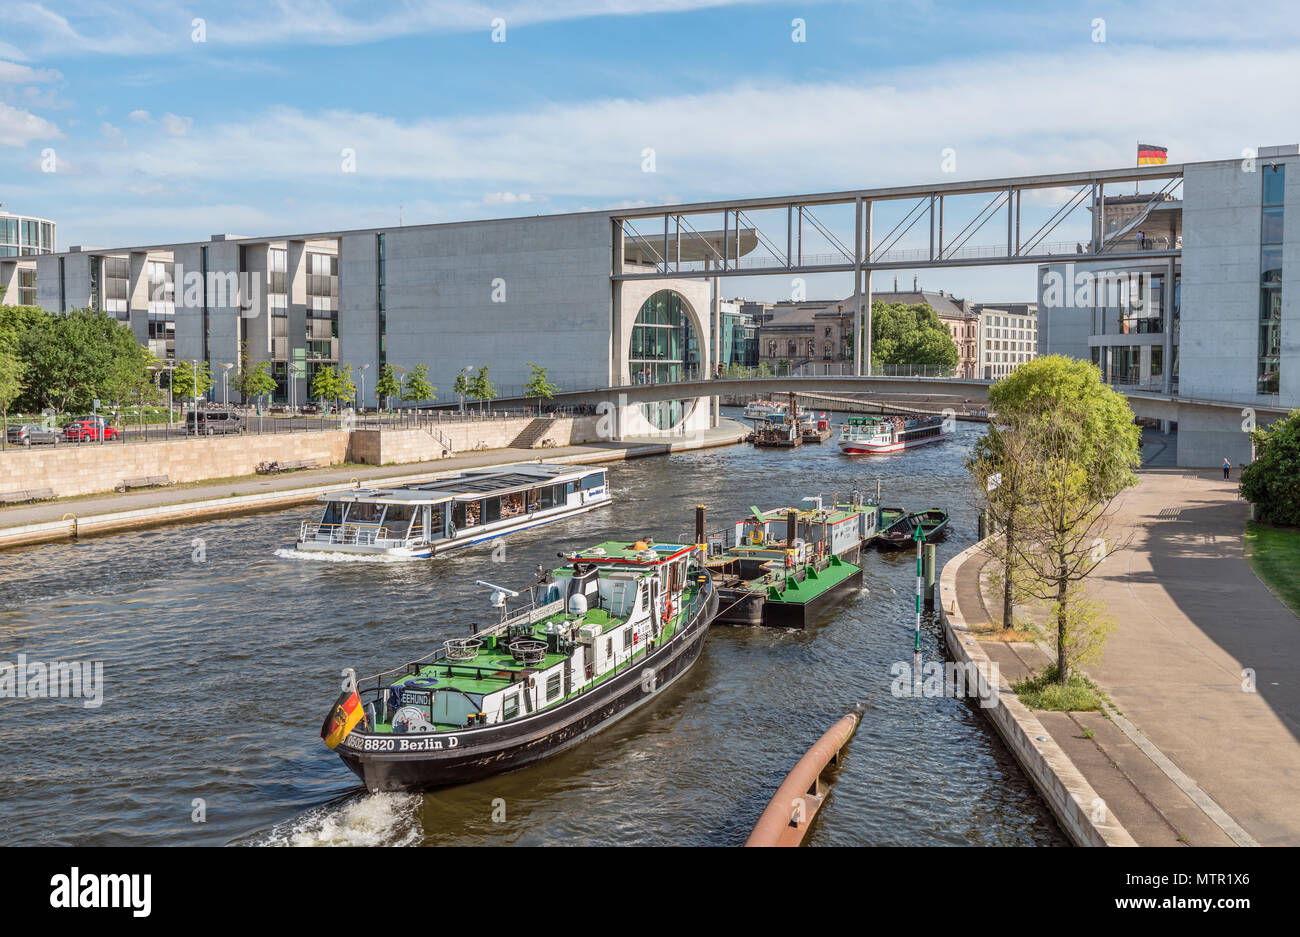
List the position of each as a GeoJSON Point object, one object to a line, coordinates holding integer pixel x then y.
{"type": "Point", "coordinates": [288, 553]}
{"type": "Point", "coordinates": [383, 819]}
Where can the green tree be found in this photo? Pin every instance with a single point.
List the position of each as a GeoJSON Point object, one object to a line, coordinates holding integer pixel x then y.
{"type": "Point", "coordinates": [387, 386]}
{"type": "Point", "coordinates": [481, 389]}
{"type": "Point", "coordinates": [997, 465]}
{"type": "Point", "coordinates": [254, 378]}
{"type": "Point", "coordinates": [11, 384]}
{"type": "Point", "coordinates": [129, 377]}
{"type": "Point", "coordinates": [347, 389]}
{"type": "Point", "coordinates": [1272, 481]}
{"type": "Point", "coordinates": [538, 386]}
{"type": "Point", "coordinates": [1081, 446]}
{"type": "Point", "coordinates": [189, 382]}
{"type": "Point", "coordinates": [325, 385]}
{"type": "Point", "coordinates": [68, 358]}
{"type": "Point", "coordinates": [910, 334]}
{"type": "Point", "coordinates": [416, 387]}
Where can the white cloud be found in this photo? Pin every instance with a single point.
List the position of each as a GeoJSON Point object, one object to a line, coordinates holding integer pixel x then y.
{"type": "Point", "coordinates": [140, 117]}
{"type": "Point", "coordinates": [19, 127]}
{"type": "Point", "coordinates": [176, 126]}
{"type": "Point", "coordinates": [506, 198]}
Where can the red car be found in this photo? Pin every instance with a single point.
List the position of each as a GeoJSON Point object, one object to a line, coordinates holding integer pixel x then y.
{"type": "Point", "coordinates": [89, 428]}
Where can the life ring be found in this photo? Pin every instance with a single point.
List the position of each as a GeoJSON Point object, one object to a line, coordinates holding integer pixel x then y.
{"type": "Point", "coordinates": [668, 610]}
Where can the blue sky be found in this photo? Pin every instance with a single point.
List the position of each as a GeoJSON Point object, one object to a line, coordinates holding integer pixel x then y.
{"type": "Point", "coordinates": [156, 137]}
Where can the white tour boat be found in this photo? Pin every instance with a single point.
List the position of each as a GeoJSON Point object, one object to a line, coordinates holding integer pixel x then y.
{"type": "Point", "coordinates": [416, 521]}
{"type": "Point", "coordinates": [863, 435]}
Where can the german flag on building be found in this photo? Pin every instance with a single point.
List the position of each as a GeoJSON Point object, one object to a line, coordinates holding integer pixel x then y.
{"type": "Point", "coordinates": [342, 718]}
{"type": "Point", "coordinates": [1149, 155]}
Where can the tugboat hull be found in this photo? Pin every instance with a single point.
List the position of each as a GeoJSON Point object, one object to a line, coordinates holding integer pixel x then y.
{"type": "Point", "coordinates": [418, 762]}
{"type": "Point", "coordinates": [800, 614]}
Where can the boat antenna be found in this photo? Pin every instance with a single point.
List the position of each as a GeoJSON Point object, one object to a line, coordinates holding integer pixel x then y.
{"type": "Point", "coordinates": [499, 594]}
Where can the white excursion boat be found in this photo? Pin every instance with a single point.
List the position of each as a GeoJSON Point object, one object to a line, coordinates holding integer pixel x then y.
{"type": "Point", "coordinates": [416, 521]}
{"type": "Point", "coordinates": [762, 409]}
{"type": "Point", "coordinates": [863, 435]}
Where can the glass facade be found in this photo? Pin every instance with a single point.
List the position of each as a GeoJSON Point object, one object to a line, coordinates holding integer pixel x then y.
{"type": "Point", "coordinates": [25, 237]}
{"type": "Point", "coordinates": [661, 338]}
{"type": "Point", "coordinates": [1270, 279]}
{"type": "Point", "coordinates": [162, 309]}
{"type": "Point", "coordinates": [381, 299]}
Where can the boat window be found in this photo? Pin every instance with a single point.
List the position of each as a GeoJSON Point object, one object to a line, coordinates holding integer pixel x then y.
{"type": "Point", "coordinates": [333, 513]}
{"type": "Point", "coordinates": [473, 514]}
{"type": "Point", "coordinates": [512, 505]}
{"type": "Point", "coordinates": [594, 480]}
{"type": "Point", "coordinates": [569, 488]}
{"type": "Point", "coordinates": [510, 707]}
{"type": "Point", "coordinates": [627, 638]}
{"type": "Point", "coordinates": [609, 648]}
{"type": "Point", "coordinates": [546, 497]}
{"type": "Point", "coordinates": [437, 520]}
{"type": "Point", "coordinates": [491, 510]}
{"type": "Point", "coordinates": [365, 512]}
{"type": "Point", "coordinates": [398, 518]}
{"type": "Point", "coordinates": [458, 515]}
{"type": "Point", "coordinates": [532, 500]}
{"type": "Point", "coordinates": [552, 686]}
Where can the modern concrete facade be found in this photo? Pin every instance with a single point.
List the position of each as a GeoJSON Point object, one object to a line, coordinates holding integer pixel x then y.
{"type": "Point", "coordinates": [1229, 330]}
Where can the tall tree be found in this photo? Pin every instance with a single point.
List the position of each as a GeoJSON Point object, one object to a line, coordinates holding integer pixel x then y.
{"type": "Point", "coordinates": [416, 388]}
{"type": "Point", "coordinates": [998, 466]}
{"type": "Point", "coordinates": [481, 388]}
{"type": "Point", "coordinates": [11, 385]}
{"type": "Point", "coordinates": [910, 334]}
{"type": "Point", "coordinates": [325, 385]}
{"type": "Point", "coordinates": [1080, 451]}
{"type": "Point", "coordinates": [538, 386]}
{"type": "Point", "coordinates": [254, 378]}
{"type": "Point", "coordinates": [387, 386]}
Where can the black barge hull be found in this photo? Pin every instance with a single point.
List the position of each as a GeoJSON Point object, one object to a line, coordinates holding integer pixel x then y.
{"type": "Point", "coordinates": [418, 762]}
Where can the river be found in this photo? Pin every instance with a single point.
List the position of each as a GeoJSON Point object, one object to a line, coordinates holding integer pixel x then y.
{"type": "Point", "coordinates": [221, 651]}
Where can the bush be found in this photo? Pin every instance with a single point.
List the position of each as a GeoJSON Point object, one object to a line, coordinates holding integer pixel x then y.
{"type": "Point", "coordinates": [1272, 481]}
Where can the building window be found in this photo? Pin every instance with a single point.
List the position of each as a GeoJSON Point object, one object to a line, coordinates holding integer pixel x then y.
{"type": "Point", "coordinates": [1273, 182]}
{"type": "Point", "coordinates": [660, 336]}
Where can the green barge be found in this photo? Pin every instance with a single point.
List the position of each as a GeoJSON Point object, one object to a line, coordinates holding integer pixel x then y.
{"type": "Point", "coordinates": [782, 568]}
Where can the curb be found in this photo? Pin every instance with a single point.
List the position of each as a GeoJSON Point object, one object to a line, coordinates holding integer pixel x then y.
{"type": "Point", "coordinates": [1067, 792]}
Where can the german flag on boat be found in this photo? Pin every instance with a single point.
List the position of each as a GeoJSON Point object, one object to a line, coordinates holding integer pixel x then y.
{"type": "Point", "coordinates": [1149, 155]}
{"type": "Point", "coordinates": [342, 718]}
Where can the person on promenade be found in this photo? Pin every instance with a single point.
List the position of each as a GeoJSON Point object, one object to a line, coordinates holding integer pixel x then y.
{"type": "Point", "coordinates": [1227, 469]}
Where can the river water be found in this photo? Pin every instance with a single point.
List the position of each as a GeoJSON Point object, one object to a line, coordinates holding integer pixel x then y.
{"type": "Point", "coordinates": [221, 651]}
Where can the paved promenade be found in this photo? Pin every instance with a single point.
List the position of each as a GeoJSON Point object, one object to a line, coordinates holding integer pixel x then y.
{"type": "Point", "coordinates": [1191, 758]}
{"type": "Point", "coordinates": [88, 507]}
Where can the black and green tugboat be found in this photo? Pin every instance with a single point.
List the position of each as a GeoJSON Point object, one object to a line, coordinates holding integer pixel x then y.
{"type": "Point", "coordinates": [902, 532]}
{"type": "Point", "coordinates": [781, 568]}
{"type": "Point", "coordinates": [605, 633]}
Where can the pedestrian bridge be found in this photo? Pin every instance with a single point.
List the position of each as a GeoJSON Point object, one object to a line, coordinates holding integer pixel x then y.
{"type": "Point", "coordinates": [1146, 404]}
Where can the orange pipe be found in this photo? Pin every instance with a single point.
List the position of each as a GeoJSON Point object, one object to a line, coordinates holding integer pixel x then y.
{"type": "Point", "coordinates": [791, 810]}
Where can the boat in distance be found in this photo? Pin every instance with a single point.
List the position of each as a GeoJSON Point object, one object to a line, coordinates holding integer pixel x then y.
{"type": "Point", "coordinates": [866, 435]}
{"type": "Point", "coordinates": [902, 532]}
{"type": "Point", "coordinates": [435, 517]}
{"type": "Point", "coordinates": [599, 637]}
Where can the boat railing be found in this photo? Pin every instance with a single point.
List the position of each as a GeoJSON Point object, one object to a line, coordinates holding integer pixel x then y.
{"type": "Point", "coordinates": [358, 534]}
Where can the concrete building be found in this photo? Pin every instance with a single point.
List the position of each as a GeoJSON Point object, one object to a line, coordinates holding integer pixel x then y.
{"type": "Point", "coordinates": [1226, 330]}
{"type": "Point", "coordinates": [22, 236]}
{"type": "Point", "coordinates": [1008, 337]}
{"type": "Point", "coordinates": [796, 333]}
{"type": "Point", "coordinates": [500, 293]}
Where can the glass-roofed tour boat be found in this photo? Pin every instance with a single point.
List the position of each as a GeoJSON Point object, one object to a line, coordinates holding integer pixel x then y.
{"type": "Point", "coordinates": [598, 637]}
{"type": "Point", "coordinates": [430, 518]}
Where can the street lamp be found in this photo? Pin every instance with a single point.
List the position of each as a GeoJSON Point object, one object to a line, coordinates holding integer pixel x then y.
{"type": "Point", "coordinates": [466, 371]}
{"type": "Point", "coordinates": [225, 383]}
{"type": "Point", "coordinates": [399, 370]}
{"type": "Point", "coordinates": [194, 364]}
{"type": "Point", "coordinates": [361, 405]}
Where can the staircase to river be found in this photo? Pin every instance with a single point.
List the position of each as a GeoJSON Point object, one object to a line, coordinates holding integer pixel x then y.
{"type": "Point", "coordinates": [531, 433]}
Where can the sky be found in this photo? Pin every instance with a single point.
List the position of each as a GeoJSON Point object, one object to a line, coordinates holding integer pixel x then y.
{"type": "Point", "coordinates": [149, 121]}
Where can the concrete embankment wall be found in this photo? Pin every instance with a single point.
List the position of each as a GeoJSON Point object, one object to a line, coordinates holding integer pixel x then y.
{"type": "Point", "coordinates": [86, 468]}
{"type": "Point", "coordinates": [89, 468]}
{"type": "Point", "coordinates": [1079, 811]}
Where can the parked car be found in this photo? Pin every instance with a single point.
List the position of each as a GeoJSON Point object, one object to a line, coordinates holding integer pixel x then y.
{"type": "Point", "coordinates": [91, 428]}
{"type": "Point", "coordinates": [215, 422]}
{"type": "Point", "coordinates": [31, 434]}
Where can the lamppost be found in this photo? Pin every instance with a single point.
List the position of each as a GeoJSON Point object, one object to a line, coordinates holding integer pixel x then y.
{"type": "Point", "coordinates": [194, 364]}
{"type": "Point", "coordinates": [466, 371]}
{"type": "Point", "coordinates": [361, 405]}
{"type": "Point", "coordinates": [225, 384]}
{"type": "Point", "coordinates": [399, 370]}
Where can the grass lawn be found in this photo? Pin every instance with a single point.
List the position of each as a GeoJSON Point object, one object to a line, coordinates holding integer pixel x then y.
{"type": "Point", "coordinates": [1274, 554]}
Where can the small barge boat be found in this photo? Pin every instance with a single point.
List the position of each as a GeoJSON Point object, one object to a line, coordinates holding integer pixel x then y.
{"type": "Point", "coordinates": [865, 435]}
{"type": "Point", "coordinates": [778, 432]}
{"type": "Point", "coordinates": [902, 532]}
{"type": "Point", "coordinates": [817, 431]}
{"type": "Point", "coordinates": [599, 637]}
{"type": "Point", "coordinates": [431, 518]}
{"type": "Point", "coordinates": [764, 578]}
